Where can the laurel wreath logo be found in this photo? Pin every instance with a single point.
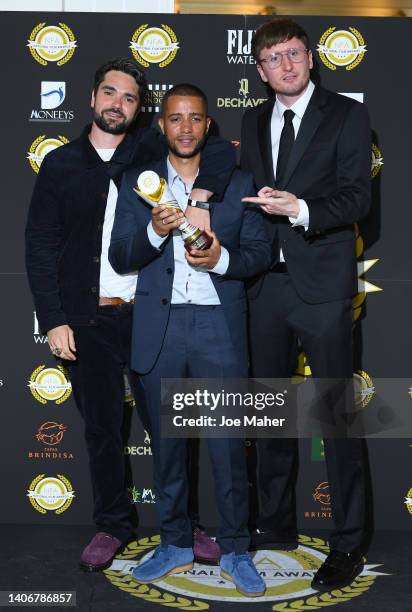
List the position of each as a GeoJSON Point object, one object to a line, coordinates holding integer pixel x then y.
{"type": "Point", "coordinates": [33, 149]}
{"type": "Point", "coordinates": [324, 57]}
{"type": "Point", "coordinates": [40, 59]}
{"type": "Point", "coordinates": [135, 53]}
{"type": "Point", "coordinates": [140, 59]}
{"type": "Point", "coordinates": [34, 391]}
{"type": "Point", "coordinates": [409, 496]}
{"type": "Point", "coordinates": [173, 38]}
{"type": "Point", "coordinates": [150, 593]}
{"type": "Point", "coordinates": [37, 506]}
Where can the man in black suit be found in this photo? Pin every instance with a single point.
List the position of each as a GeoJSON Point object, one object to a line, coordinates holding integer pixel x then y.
{"type": "Point", "coordinates": [309, 151]}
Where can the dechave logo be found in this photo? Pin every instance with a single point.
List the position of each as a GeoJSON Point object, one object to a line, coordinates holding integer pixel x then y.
{"type": "Point", "coordinates": [50, 384]}
{"type": "Point", "coordinates": [341, 48]}
{"type": "Point", "coordinates": [50, 493]}
{"type": "Point", "coordinates": [243, 99]}
{"type": "Point", "coordinates": [52, 43]}
{"type": "Point", "coordinates": [40, 147]}
{"type": "Point", "coordinates": [287, 574]}
{"type": "Point", "coordinates": [140, 450]}
{"type": "Point", "coordinates": [154, 45]}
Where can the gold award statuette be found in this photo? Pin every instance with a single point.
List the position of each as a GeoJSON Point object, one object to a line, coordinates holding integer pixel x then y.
{"type": "Point", "coordinates": [155, 191]}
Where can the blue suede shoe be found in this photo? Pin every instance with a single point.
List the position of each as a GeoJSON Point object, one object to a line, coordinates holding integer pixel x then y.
{"type": "Point", "coordinates": [241, 570]}
{"type": "Point", "coordinates": [165, 560]}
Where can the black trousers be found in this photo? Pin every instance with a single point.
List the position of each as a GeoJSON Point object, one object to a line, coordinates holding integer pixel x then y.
{"type": "Point", "coordinates": [278, 317]}
{"type": "Point", "coordinates": [103, 355]}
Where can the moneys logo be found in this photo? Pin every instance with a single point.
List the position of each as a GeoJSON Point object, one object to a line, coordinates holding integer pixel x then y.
{"type": "Point", "coordinates": [341, 48]}
{"type": "Point", "coordinates": [408, 501]}
{"type": "Point", "coordinates": [50, 494]}
{"type": "Point", "coordinates": [154, 45]}
{"type": "Point", "coordinates": [40, 147]}
{"type": "Point", "coordinates": [287, 574]}
{"type": "Point", "coordinates": [50, 384]}
{"type": "Point", "coordinates": [52, 43]}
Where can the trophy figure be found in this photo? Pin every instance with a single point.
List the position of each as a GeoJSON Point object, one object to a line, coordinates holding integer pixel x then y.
{"type": "Point", "coordinates": [155, 191]}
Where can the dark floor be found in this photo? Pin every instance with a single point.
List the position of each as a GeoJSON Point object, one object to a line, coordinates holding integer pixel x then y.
{"type": "Point", "coordinates": [46, 558]}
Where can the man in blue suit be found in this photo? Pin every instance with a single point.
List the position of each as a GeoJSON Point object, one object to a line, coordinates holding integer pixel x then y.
{"type": "Point", "coordinates": [190, 321]}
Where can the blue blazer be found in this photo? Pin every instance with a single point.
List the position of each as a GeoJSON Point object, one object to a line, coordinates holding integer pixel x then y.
{"type": "Point", "coordinates": [240, 230]}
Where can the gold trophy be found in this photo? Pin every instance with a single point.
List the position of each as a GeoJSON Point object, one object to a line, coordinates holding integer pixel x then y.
{"type": "Point", "coordinates": [155, 191]}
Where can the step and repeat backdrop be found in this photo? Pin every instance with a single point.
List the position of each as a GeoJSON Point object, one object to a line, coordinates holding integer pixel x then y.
{"type": "Point", "coordinates": [49, 61]}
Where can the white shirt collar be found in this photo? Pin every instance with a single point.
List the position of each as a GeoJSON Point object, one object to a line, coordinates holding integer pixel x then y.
{"type": "Point", "coordinates": [299, 106]}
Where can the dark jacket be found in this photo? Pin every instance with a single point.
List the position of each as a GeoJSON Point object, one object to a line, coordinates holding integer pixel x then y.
{"type": "Point", "coordinates": [329, 167]}
{"type": "Point", "coordinates": [239, 227]}
{"type": "Point", "coordinates": [66, 215]}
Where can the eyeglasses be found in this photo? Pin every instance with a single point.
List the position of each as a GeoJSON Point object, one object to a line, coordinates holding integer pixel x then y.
{"type": "Point", "coordinates": [275, 59]}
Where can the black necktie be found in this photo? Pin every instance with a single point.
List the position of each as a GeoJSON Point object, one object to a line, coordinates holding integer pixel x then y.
{"type": "Point", "coordinates": [287, 138]}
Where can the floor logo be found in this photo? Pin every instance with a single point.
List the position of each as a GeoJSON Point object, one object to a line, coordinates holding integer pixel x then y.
{"type": "Point", "coordinates": [50, 384]}
{"type": "Point", "coordinates": [154, 45]}
{"type": "Point", "coordinates": [287, 574]}
{"type": "Point", "coordinates": [50, 494]}
{"type": "Point", "coordinates": [52, 43]}
{"type": "Point", "coordinates": [408, 501]}
{"type": "Point", "coordinates": [377, 160]}
{"type": "Point", "coordinates": [40, 147]}
{"type": "Point", "coordinates": [341, 48]}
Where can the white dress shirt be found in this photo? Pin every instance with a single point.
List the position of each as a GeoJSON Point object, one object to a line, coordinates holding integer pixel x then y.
{"type": "Point", "coordinates": [276, 126]}
{"type": "Point", "coordinates": [111, 283]}
{"type": "Point", "coordinates": [191, 284]}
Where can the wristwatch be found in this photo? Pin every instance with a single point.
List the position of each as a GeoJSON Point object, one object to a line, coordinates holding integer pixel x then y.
{"type": "Point", "coordinates": [198, 204]}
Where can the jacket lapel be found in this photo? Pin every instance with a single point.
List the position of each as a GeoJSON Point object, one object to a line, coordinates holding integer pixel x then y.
{"type": "Point", "coordinates": [265, 143]}
{"type": "Point", "coordinates": [310, 122]}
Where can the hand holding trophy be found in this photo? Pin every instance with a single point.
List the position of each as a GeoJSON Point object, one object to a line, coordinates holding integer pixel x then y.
{"type": "Point", "coordinates": [155, 191]}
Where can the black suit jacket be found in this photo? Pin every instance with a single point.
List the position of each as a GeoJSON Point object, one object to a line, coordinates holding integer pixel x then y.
{"type": "Point", "coordinates": [329, 167]}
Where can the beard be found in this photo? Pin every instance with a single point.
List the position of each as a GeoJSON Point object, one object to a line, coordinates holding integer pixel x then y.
{"type": "Point", "coordinates": [186, 154]}
{"type": "Point", "coordinates": [107, 125]}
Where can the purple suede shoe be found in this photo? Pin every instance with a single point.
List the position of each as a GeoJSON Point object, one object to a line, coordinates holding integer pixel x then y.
{"type": "Point", "coordinates": [99, 553]}
{"type": "Point", "coordinates": [204, 548]}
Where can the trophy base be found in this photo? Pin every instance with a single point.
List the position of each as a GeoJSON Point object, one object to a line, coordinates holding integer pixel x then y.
{"type": "Point", "coordinates": [199, 240]}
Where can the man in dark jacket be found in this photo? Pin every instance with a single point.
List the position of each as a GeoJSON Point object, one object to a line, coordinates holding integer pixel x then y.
{"type": "Point", "coordinates": [81, 303]}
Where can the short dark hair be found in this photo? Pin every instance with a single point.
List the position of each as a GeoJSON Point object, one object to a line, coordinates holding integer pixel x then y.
{"type": "Point", "coordinates": [184, 89]}
{"type": "Point", "coordinates": [276, 31]}
{"type": "Point", "coordinates": [126, 65]}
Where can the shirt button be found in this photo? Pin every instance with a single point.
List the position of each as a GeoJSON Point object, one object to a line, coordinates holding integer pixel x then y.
{"type": "Point", "coordinates": [96, 259]}
{"type": "Point", "coordinates": [93, 289]}
{"type": "Point", "coordinates": [92, 322]}
{"type": "Point", "coordinates": [100, 227]}
{"type": "Point", "coordinates": [164, 301]}
{"type": "Point", "coordinates": [169, 270]}
{"type": "Point", "coordinates": [104, 196]}
{"type": "Point", "coordinates": [189, 301]}
{"type": "Point", "coordinates": [190, 274]}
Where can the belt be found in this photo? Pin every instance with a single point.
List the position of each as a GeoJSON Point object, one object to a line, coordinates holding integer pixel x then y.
{"type": "Point", "coordinates": [279, 268]}
{"type": "Point", "coordinates": [114, 301]}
